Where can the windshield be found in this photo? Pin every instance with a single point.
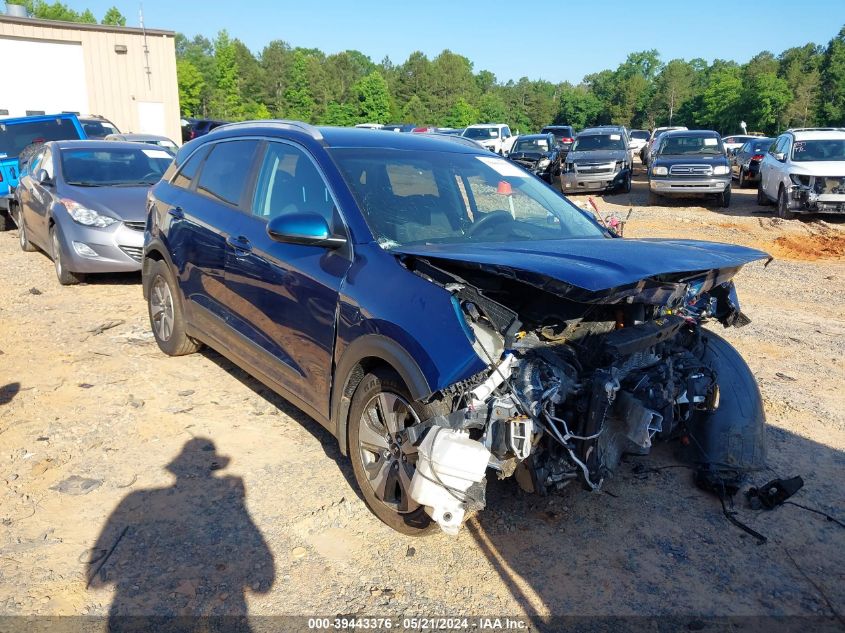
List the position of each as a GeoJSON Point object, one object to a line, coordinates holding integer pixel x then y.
{"type": "Point", "coordinates": [531, 145]}
{"type": "Point", "coordinates": [691, 145]}
{"type": "Point", "coordinates": [16, 136]}
{"type": "Point", "coordinates": [821, 150]}
{"type": "Point", "coordinates": [593, 142]}
{"type": "Point", "coordinates": [758, 147]}
{"type": "Point", "coordinates": [481, 133]}
{"type": "Point", "coordinates": [108, 167]}
{"type": "Point", "coordinates": [443, 197]}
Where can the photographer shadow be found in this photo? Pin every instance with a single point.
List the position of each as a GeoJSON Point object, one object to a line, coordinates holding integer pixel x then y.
{"type": "Point", "coordinates": [182, 558]}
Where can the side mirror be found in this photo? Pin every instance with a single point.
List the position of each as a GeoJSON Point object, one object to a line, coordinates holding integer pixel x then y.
{"type": "Point", "coordinates": [42, 177]}
{"type": "Point", "coordinates": [780, 156]}
{"type": "Point", "coordinates": [308, 229]}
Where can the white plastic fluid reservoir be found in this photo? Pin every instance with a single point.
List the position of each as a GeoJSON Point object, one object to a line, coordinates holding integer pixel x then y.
{"type": "Point", "coordinates": [448, 463]}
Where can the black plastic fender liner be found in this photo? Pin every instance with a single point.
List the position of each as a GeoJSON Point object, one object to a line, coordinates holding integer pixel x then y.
{"type": "Point", "coordinates": [734, 435]}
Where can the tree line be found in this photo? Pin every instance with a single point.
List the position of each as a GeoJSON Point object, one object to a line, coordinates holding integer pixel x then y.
{"type": "Point", "coordinates": [802, 86]}
{"type": "Point", "coordinates": [222, 79]}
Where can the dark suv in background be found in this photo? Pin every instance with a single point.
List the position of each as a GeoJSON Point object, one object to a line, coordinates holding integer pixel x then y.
{"type": "Point", "coordinates": [564, 134]}
{"type": "Point", "coordinates": [690, 163]}
{"type": "Point", "coordinates": [194, 128]}
{"type": "Point", "coordinates": [599, 160]}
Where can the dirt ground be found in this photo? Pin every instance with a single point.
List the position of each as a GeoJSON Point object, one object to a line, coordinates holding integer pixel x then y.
{"type": "Point", "coordinates": [102, 439]}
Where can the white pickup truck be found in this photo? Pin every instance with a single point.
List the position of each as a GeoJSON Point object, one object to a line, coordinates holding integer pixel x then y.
{"type": "Point", "coordinates": [496, 137]}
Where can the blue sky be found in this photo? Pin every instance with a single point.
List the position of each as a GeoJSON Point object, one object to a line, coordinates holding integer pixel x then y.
{"type": "Point", "coordinates": [553, 40]}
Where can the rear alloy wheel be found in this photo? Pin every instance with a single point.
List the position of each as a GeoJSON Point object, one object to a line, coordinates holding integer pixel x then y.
{"type": "Point", "coordinates": [66, 277]}
{"type": "Point", "coordinates": [383, 461]}
{"type": "Point", "coordinates": [783, 206]}
{"type": "Point", "coordinates": [166, 317]}
{"type": "Point", "coordinates": [23, 238]}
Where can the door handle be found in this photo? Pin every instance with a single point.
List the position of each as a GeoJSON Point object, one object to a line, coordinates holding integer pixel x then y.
{"type": "Point", "coordinates": [176, 212]}
{"type": "Point", "coordinates": [240, 244]}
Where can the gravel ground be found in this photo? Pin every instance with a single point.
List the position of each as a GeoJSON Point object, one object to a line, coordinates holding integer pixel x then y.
{"type": "Point", "coordinates": [106, 441]}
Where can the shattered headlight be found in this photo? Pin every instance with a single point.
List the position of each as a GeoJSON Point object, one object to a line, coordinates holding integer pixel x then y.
{"type": "Point", "coordinates": [800, 180]}
{"type": "Point", "coordinates": [720, 170]}
{"type": "Point", "coordinates": [543, 163]}
{"type": "Point", "coordinates": [660, 171]}
{"type": "Point", "coordinates": [84, 215]}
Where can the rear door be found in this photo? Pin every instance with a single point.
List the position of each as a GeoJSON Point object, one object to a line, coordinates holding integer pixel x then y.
{"type": "Point", "coordinates": [283, 297]}
{"type": "Point", "coordinates": [204, 212]}
{"type": "Point", "coordinates": [40, 196]}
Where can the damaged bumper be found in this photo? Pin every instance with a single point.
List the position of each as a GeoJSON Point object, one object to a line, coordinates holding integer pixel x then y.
{"type": "Point", "coordinates": [571, 387]}
{"type": "Point", "coordinates": [575, 181]}
{"type": "Point", "coordinates": [817, 194]}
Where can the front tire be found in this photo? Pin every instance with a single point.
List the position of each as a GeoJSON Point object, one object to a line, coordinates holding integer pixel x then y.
{"type": "Point", "coordinates": [167, 319]}
{"type": "Point", "coordinates": [383, 465]}
{"type": "Point", "coordinates": [653, 199]}
{"type": "Point", "coordinates": [783, 206]}
{"type": "Point", "coordinates": [724, 198]}
{"type": "Point", "coordinates": [66, 277]}
{"type": "Point", "coordinates": [742, 181]}
{"type": "Point", "coordinates": [23, 237]}
{"type": "Point", "coordinates": [762, 199]}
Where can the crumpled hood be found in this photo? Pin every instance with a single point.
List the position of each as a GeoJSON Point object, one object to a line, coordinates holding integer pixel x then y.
{"type": "Point", "coordinates": [593, 264]}
{"type": "Point", "coordinates": [820, 168]}
{"type": "Point", "coordinates": [128, 204]}
{"type": "Point", "coordinates": [603, 156]}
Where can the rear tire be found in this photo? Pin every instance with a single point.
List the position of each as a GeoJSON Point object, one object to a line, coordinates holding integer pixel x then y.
{"type": "Point", "coordinates": [6, 222]}
{"type": "Point", "coordinates": [66, 277]}
{"type": "Point", "coordinates": [23, 238]}
{"type": "Point", "coordinates": [167, 319]}
{"type": "Point", "coordinates": [375, 455]}
{"type": "Point", "coordinates": [742, 181]}
{"type": "Point", "coordinates": [762, 198]}
{"type": "Point", "coordinates": [783, 206]}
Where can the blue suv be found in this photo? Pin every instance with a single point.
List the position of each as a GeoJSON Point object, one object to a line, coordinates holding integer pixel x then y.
{"type": "Point", "coordinates": [444, 313]}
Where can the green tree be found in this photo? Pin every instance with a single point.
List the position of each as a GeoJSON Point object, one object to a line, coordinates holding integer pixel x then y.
{"type": "Point", "coordinates": [114, 17]}
{"type": "Point", "coordinates": [342, 114]}
{"type": "Point", "coordinates": [58, 11]}
{"type": "Point", "coordinates": [227, 102]}
{"type": "Point", "coordinates": [673, 87]}
{"type": "Point", "coordinates": [832, 103]}
{"type": "Point", "coordinates": [299, 104]}
{"type": "Point", "coordinates": [722, 99]}
{"type": "Point", "coordinates": [276, 60]}
{"type": "Point", "coordinates": [415, 111]}
{"type": "Point", "coordinates": [799, 67]}
{"type": "Point", "coordinates": [461, 114]}
{"type": "Point", "coordinates": [491, 108]}
{"type": "Point", "coordinates": [765, 101]}
{"type": "Point", "coordinates": [373, 98]}
{"type": "Point", "coordinates": [578, 107]}
{"type": "Point", "coordinates": [191, 88]}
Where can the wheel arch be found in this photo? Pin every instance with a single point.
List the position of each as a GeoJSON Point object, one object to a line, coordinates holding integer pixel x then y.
{"type": "Point", "coordinates": [362, 357]}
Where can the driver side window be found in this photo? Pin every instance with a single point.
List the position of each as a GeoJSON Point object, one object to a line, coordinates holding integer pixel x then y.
{"type": "Point", "coordinates": [289, 182]}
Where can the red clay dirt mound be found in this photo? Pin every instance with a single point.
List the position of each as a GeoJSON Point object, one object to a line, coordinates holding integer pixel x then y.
{"type": "Point", "coordinates": [809, 247]}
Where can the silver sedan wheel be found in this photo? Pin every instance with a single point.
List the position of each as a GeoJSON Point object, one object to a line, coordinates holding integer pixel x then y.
{"type": "Point", "coordinates": [57, 252]}
{"type": "Point", "coordinates": [389, 462]}
{"type": "Point", "coordinates": [161, 308]}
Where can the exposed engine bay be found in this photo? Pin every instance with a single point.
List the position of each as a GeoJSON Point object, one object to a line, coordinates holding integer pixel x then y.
{"type": "Point", "coordinates": [575, 381]}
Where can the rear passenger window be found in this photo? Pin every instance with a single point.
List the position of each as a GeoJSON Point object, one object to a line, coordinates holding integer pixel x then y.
{"type": "Point", "coordinates": [189, 169]}
{"type": "Point", "coordinates": [225, 173]}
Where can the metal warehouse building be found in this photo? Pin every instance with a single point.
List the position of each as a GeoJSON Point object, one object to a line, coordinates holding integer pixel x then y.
{"type": "Point", "coordinates": [127, 75]}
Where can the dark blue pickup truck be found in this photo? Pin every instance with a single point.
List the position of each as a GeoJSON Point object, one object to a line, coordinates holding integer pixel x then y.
{"type": "Point", "coordinates": [16, 134]}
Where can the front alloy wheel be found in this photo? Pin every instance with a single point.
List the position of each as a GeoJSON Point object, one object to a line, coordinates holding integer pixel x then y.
{"type": "Point", "coordinates": [383, 461]}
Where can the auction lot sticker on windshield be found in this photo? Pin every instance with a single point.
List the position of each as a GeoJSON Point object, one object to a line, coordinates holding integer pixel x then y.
{"type": "Point", "coordinates": [710, 141]}
{"type": "Point", "coordinates": [615, 137]}
{"type": "Point", "coordinates": [503, 167]}
{"type": "Point", "coordinates": [156, 153]}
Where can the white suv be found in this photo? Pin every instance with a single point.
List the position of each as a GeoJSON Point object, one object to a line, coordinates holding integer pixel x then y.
{"type": "Point", "coordinates": [496, 137]}
{"type": "Point", "coordinates": [804, 172]}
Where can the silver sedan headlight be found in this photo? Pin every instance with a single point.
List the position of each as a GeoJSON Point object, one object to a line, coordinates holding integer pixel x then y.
{"type": "Point", "coordinates": [84, 215]}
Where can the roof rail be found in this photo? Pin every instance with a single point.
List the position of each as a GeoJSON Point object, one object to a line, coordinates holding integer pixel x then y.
{"type": "Point", "coordinates": [816, 129]}
{"type": "Point", "coordinates": [284, 124]}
